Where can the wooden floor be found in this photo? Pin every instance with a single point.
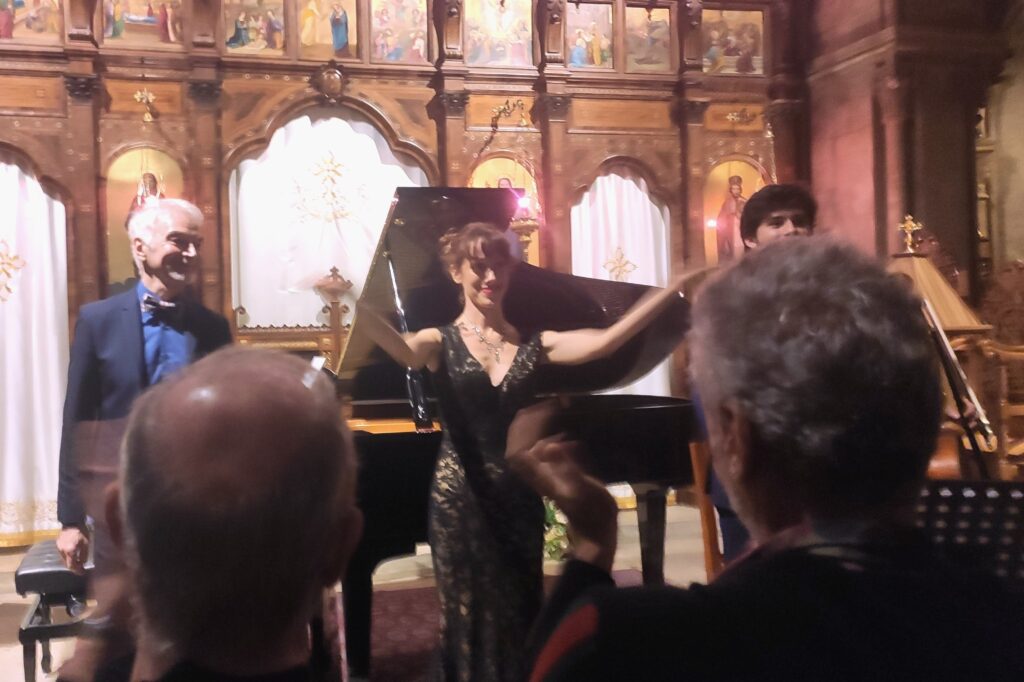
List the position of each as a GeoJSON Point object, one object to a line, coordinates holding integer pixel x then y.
{"type": "Point", "coordinates": [684, 563]}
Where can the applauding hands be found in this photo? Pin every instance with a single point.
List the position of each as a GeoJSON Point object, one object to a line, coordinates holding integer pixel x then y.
{"type": "Point", "coordinates": [551, 467]}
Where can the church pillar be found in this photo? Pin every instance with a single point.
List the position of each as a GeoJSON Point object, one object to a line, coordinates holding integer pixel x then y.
{"type": "Point", "coordinates": [452, 128]}
{"type": "Point", "coordinates": [87, 244]}
{"type": "Point", "coordinates": [787, 110]}
{"type": "Point", "coordinates": [550, 114]}
{"type": "Point", "coordinates": [892, 183]}
{"type": "Point", "coordinates": [553, 112]}
{"type": "Point", "coordinates": [894, 90]}
{"type": "Point", "coordinates": [204, 98]}
{"type": "Point", "coordinates": [694, 178]}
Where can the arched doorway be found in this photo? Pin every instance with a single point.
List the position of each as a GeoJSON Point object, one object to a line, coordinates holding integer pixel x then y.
{"type": "Point", "coordinates": [315, 198]}
{"type": "Point", "coordinates": [620, 231]}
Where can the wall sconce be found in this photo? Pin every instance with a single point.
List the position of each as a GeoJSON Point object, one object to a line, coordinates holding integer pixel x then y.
{"type": "Point", "coordinates": [146, 99]}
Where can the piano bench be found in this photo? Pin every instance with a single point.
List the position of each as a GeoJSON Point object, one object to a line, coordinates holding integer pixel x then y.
{"type": "Point", "coordinates": [42, 573]}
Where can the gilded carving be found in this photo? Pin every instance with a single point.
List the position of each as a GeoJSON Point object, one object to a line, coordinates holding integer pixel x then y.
{"type": "Point", "coordinates": [695, 110]}
{"type": "Point", "coordinates": [455, 102]}
{"type": "Point", "coordinates": [206, 92]}
{"type": "Point", "coordinates": [329, 81]}
{"type": "Point", "coordinates": [555, 107]}
{"type": "Point", "coordinates": [81, 87]}
{"type": "Point", "coordinates": [554, 11]}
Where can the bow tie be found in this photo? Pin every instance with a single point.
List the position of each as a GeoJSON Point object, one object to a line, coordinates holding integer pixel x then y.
{"type": "Point", "coordinates": [167, 312]}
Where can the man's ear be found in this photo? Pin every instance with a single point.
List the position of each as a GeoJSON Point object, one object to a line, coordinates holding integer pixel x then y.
{"type": "Point", "coordinates": [138, 249]}
{"type": "Point", "coordinates": [343, 545]}
{"type": "Point", "coordinates": [112, 512]}
{"type": "Point", "coordinates": [750, 243]}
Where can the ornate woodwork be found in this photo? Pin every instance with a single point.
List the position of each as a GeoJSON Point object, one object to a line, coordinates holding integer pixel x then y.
{"type": "Point", "coordinates": [213, 108]}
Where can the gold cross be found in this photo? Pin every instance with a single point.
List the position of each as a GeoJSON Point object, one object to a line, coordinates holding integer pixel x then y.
{"type": "Point", "coordinates": [146, 99]}
{"type": "Point", "coordinates": [10, 263]}
{"type": "Point", "coordinates": [908, 227]}
{"type": "Point", "coordinates": [618, 267]}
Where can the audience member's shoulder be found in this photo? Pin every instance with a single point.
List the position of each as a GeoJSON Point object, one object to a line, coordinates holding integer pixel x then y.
{"type": "Point", "coordinates": [617, 633]}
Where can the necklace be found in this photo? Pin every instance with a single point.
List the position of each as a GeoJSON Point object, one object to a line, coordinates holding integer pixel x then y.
{"type": "Point", "coordinates": [494, 348]}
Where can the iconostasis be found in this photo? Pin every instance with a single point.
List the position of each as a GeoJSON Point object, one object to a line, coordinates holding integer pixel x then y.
{"type": "Point", "coordinates": [120, 101]}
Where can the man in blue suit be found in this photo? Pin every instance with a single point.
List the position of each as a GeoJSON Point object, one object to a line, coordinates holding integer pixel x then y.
{"type": "Point", "coordinates": [125, 343]}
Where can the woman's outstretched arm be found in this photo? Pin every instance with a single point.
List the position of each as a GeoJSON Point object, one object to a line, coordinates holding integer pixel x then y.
{"type": "Point", "coordinates": [414, 350]}
{"type": "Point", "coordinates": [578, 346]}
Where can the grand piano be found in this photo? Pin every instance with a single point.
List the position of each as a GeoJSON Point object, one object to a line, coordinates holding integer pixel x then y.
{"type": "Point", "coordinates": [642, 440]}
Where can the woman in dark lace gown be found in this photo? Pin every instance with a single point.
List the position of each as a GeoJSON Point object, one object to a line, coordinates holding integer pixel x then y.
{"type": "Point", "coordinates": [487, 526]}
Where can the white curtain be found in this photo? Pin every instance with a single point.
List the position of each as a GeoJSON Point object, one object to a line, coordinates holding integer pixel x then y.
{"type": "Point", "coordinates": [620, 233]}
{"type": "Point", "coordinates": [33, 354]}
{"type": "Point", "coordinates": [316, 198]}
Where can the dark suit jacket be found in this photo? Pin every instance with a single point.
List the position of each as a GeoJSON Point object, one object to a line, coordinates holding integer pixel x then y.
{"type": "Point", "coordinates": [107, 372]}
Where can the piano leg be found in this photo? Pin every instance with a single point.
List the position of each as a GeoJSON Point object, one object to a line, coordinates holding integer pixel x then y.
{"type": "Point", "coordinates": [357, 597]}
{"type": "Point", "coordinates": [650, 511]}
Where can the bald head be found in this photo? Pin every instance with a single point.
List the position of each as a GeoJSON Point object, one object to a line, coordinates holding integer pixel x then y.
{"type": "Point", "coordinates": [237, 491]}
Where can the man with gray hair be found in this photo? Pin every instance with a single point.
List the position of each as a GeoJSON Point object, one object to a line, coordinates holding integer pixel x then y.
{"type": "Point", "coordinates": [235, 509]}
{"type": "Point", "coordinates": [821, 395]}
{"type": "Point", "coordinates": [122, 345]}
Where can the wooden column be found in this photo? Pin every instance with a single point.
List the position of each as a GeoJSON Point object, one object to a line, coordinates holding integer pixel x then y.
{"type": "Point", "coordinates": [551, 114]}
{"type": "Point", "coordinates": [83, 88]}
{"type": "Point", "coordinates": [694, 179]}
{"type": "Point", "coordinates": [451, 128]}
{"type": "Point", "coordinates": [893, 189]}
{"type": "Point", "coordinates": [787, 110]}
{"type": "Point", "coordinates": [204, 160]}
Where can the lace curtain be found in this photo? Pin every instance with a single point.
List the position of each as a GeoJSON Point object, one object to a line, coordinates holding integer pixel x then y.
{"type": "Point", "coordinates": [315, 199]}
{"type": "Point", "coordinates": [620, 233]}
{"type": "Point", "coordinates": [34, 345]}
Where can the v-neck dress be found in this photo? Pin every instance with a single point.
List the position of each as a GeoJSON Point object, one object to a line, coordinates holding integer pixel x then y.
{"type": "Point", "coordinates": [486, 526]}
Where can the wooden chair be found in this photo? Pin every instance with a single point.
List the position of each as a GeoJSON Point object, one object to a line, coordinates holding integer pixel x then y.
{"type": "Point", "coordinates": [700, 458]}
{"type": "Point", "coordinates": [1009, 361]}
{"type": "Point", "coordinates": [1003, 306]}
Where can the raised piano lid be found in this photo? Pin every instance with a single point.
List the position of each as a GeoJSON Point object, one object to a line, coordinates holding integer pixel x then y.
{"type": "Point", "coordinates": [537, 299]}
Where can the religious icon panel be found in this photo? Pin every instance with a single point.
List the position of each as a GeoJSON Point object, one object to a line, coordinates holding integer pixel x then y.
{"type": "Point", "coordinates": [32, 21]}
{"type": "Point", "coordinates": [327, 29]}
{"type": "Point", "coordinates": [136, 179]}
{"type": "Point", "coordinates": [255, 27]}
{"type": "Point", "coordinates": [733, 42]}
{"type": "Point", "coordinates": [648, 39]}
{"type": "Point", "coordinates": [142, 23]}
{"type": "Point", "coordinates": [726, 190]}
{"type": "Point", "coordinates": [398, 31]}
{"type": "Point", "coordinates": [499, 33]}
{"type": "Point", "coordinates": [588, 35]}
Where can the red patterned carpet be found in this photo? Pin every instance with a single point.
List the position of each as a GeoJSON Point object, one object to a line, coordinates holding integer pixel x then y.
{"type": "Point", "coordinates": [405, 630]}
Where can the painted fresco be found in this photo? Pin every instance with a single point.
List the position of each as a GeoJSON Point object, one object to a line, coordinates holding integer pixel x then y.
{"type": "Point", "coordinates": [254, 27]}
{"type": "Point", "coordinates": [142, 23]}
{"type": "Point", "coordinates": [32, 21]}
{"type": "Point", "coordinates": [733, 42]}
{"type": "Point", "coordinates": [498, 33]}
{"type": "Point", "coordinates": [648, 40]}
{"type": "Point", "coordinates": [398, 31]}
{"type": "Point", "coordinates": [327, 29]}
{"type": "Point", "coordinates": [588, 35]}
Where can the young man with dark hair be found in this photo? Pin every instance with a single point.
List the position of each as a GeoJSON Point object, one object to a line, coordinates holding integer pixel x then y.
{"type": "Point", "coordinates": [777, 211]}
